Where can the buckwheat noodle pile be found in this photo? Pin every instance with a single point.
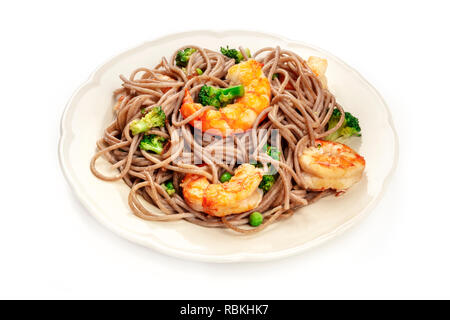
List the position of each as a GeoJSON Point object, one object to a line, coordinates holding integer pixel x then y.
{"type": "Point", "coordinates": [300, 113]}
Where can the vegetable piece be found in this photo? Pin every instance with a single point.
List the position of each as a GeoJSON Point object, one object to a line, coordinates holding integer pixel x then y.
{"type": "Point", "coordinates": [273, 152]}
{"type": "Point", "coordinates": [275, 75]}
{"type": "Point", "coordinates": [170, 189]}
{"type": "Point", "coordinates": [234, 54]}
{"type": "Point", "coordinates": [183, 57]}
{"type": "Point", "coordinates": [226, 176]}
{"type": "Point", "coordinates": [247, 51]}
{"type": "Point", "coordinates": [219, 97]}
{"type": "Point", "coordinates": [199, 71]}
{"type": "Point", "coordinates": [154, 118]}
{"type": "Point", "coordinates": [350, 126]}
{"type": "Point", "coordinates": [153, 143]}
{"type": "Point", "coordinates": [267, 182]}
{"type": "Point", "coordinates": [255, 219]}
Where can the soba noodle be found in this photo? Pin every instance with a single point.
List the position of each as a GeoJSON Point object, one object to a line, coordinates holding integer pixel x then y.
{"type": "Point", "coordinates": [300, 109]}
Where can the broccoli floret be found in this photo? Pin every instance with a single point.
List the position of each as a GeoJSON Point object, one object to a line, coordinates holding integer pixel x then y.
{"type": "Point", "coordinates": [234, 54]}
{"type": "Point", "coordinates": [267, 182]}
{"type": "Point", "coordinates": [170, 189]}
{"type": "Point", "coordinates": [183, 57]}
{"type": "Point", "coordinates": [219, 97]}
{"type": "Point", "coordinates": [273, 152]}
{"type": "Point", "coordinates": [350, 126]}
{"type": "Point", "coordinates": [154, 118]}
{"type": "Point", "coordinates": [153, 143]}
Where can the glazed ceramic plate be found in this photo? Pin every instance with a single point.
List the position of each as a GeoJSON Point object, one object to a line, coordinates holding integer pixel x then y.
{"type": "Point", "coordinates": [90, 110]}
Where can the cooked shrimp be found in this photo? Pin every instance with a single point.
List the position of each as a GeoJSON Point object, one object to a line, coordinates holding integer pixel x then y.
{"type": "Point", "coordinates": [319, 67]}
{"type": "Point", "coordinates": [331, 165]}
{"type": "Point", "coordinates": [241, 115]}
{"type": "Point", "coordinates": [238, 195]}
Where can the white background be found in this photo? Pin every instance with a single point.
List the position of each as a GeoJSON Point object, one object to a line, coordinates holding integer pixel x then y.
{"type": "Point", "coordinates": [50, 247]}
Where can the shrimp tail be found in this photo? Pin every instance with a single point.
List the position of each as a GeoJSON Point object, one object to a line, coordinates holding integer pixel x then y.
{"type": "Point", "coordinates": [187, 97]}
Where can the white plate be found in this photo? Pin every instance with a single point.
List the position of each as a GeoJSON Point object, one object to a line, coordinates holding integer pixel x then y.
{"type": "Point", "coordinates": [89, 111]}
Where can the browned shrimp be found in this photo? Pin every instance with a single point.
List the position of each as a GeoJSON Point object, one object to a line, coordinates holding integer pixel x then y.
{"type": "Point", "coordinates": [238, 195]}
{"type": "Point", "coordinates": [331, 165]}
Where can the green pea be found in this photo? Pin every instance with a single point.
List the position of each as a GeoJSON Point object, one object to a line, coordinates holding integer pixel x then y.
{"type": "Point", "coordinates": [226, 176]}
{"type": "Point", "coordinates": [199, 71]}
{"type": "Point", "coordinates": [255, 219]}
